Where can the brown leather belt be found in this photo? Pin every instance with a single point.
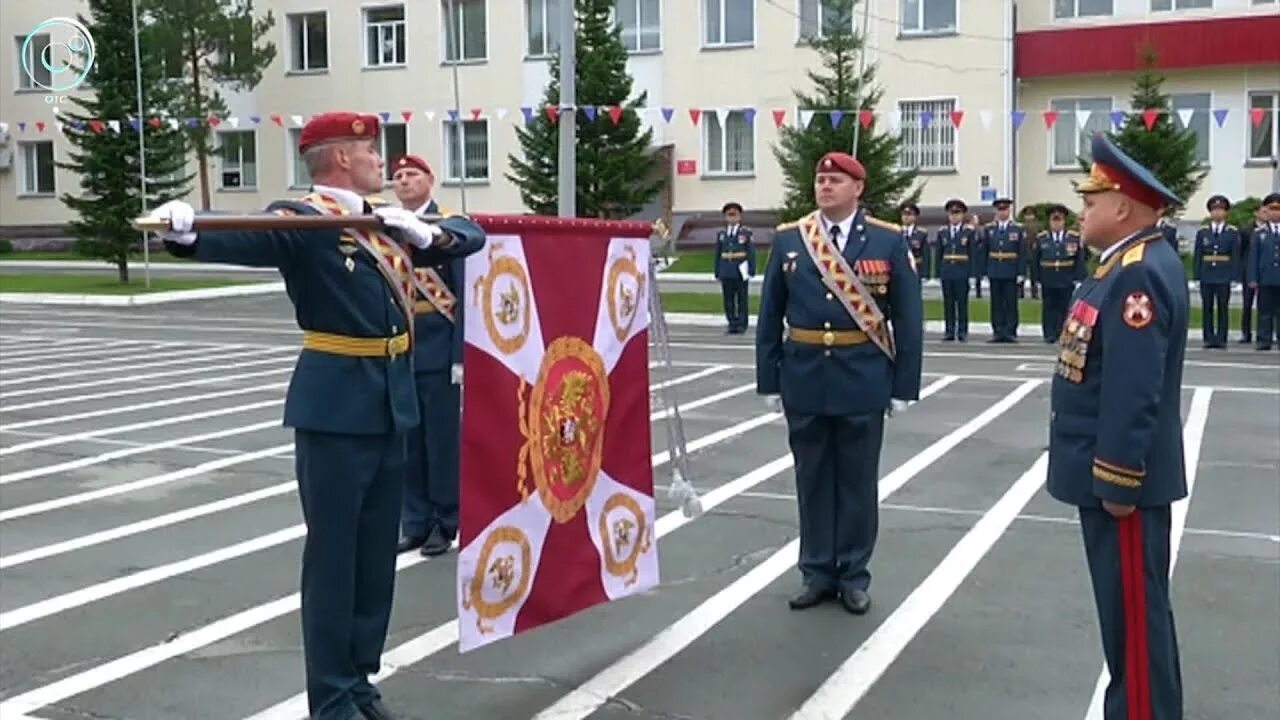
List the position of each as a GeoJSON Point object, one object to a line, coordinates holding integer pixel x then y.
{"type": "Point", "coordinates": [827, 338]}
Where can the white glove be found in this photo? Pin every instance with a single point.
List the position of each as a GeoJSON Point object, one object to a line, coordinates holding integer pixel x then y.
{"type": "Point", "coordinates": [896, 406]}
{"type": "Point", "coordinates": [455, 373]}
{"type": "Point", "coordinates": [419, 234]}
{"type": "Point", "coordinates": [773, 402]}
{"type": "Point", "coordinates": [1020, 279]}
{"type": "Point", "coordinates": [181, 217]}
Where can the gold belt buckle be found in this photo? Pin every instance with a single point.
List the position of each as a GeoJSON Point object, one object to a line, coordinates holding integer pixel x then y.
{"type": "Point", "coordinates": [828, 338]}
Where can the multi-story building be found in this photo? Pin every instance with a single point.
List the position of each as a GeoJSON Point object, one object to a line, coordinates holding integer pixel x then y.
{"type": "Point", "coordinates": [966, 84]}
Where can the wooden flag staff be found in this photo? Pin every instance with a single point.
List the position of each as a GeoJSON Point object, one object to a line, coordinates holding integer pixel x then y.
{"type": "Point", "coordinates": [273, 222]}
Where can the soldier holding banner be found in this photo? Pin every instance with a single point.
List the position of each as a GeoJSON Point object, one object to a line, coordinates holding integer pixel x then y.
{"type": "Point", "coordinates": [351, 401]}
{"type": "Point", "coordinates": [844, 284]}
{"type": "Point", "coordinates": [429, 516]}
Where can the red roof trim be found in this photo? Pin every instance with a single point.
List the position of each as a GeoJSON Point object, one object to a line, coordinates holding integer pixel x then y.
{"type": "Point", "coordinates": [1213, 42]}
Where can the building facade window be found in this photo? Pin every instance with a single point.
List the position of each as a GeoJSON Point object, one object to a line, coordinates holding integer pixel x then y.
{"type": "Point", "coordinates": [1063, 9]}
{"type": "Point", "coordinates": [728, 22]}
{"type": "Point", "coordinates": [394, 140]}
{"type": "Point", "coordinates": [1071, 138]}
{"type": "Point", "coordinates": [928, 16]}
{"type": "Point", "coordinates": [471, 156]}
{"type": "Point", "coordinates": [466, 35]}
{"type": "Point", "coordinates": [33, 74]}
{"type": "Point", "coordinates": [928, 138]}
{"type": "Point", "coordinates": [37, 168]}
{"type": "Point", "coordinates": [1199, 104]}
{"type": "Point", "coordinates": [818, 17]}
{"type": "Point", "coordinates": [239, 151]}
{"type": "Point", "coordinates": [308, 42]}
{"type": "Point", "coordinates": [1158, 5]}
{"type": "Point", "coordinates": [384, 36]}
{"type": "Point", "coordinates": [641, 24]}
{"type": "Point", "coordinates": [729, 149]}
{"type": "Point", "coordinates": [544, 27]}
{"type": "Point", "coordinates": [300, 177]}
{"type": "Point", "coordinates": [1264, 138]}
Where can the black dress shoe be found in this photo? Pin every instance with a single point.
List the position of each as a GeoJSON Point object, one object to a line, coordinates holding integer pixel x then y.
{"type": "Point", "coordinates": [377, 711]}
{"type": "Point", "coordinates": [412, 542]}
{"type": "Point", "coordinates": [856, 601]}
{"type": "Point", "coordinates": [809, 597]}
{"type": "Point", "coordinates": [438, 543]}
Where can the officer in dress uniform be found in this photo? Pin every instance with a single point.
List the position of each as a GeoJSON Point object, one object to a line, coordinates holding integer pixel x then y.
{"type": "Point", "coordinates": [1170, 231]}
{"type": "Point", "coordinates": [852, 350]}
{"type": "Point", "coordinates": [953, 258]}
{"type": "Point", "coordinates": [1004, 242]}
{"type": "Point", "coordinates": [1115, 448]}
{"type": "Point", "coordinates": [1031, 229]}
{"type": "Point", "coordinates": [979, 253]}
{"type": "Point", "coordinates": [917, 239]}
{"type": "Point", "coordinates": [1059, 264]}
{"type": "Point", "coordinates": [429, 515]}
{"type": "Point", "coordinates": [1216, 263]}
{"type": "Point", "coordinates": [734, 248]}
{"type": "Point", "coordinates": [1264, 273]}
{"type": "Point", "coordinates": [351, 400]}
{"type": "Point", "coordinates": [1247, 293]}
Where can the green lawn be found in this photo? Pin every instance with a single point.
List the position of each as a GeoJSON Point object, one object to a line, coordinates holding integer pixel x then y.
{"type": "Point", "coordinates": [104, 284]}
{"type": "Point", "coordinates": [979, 310]}
{"type": "Point", "coordinates": [156, 257]}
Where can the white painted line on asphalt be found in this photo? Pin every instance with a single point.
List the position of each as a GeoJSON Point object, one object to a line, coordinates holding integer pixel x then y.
{"type": "Point", "coordinates": [155, 298]}
{"type": "Point", "coordinates": [702, 402]}
{"type": "Point", "coordinates": [145, 425]}
{"type": "Point", "coordinates": [437, 639]}
{"type": "Point", "coordinates": [851, 681]}
{"type": "Point", "coordinates": [115, 586]}
{"type": "Point", "coordinates": [149, 361]}
{"type": "Point", "coordinates": [81, 364]}
{"type": "Point", "coordinates": [202, 329]}
{"type": "Point", "coordinates": [82, 347]}
{"type": "Point", "coordinates": [705, 372]}
{"type": "Point", "coordinates": [184, 400]}
{"type": "Point", "coordinates": [146, 389]}
{"type": "Point", "coordinates": [1192, 439]}
{"type": "Point", "coordinates": [143, 484]}
{"type": "Point", "coordinates": [206, 370]}
{"type": "Point", "coordinates": [611, 681]}
{"type": "Point", "coordinates": [135, 450]}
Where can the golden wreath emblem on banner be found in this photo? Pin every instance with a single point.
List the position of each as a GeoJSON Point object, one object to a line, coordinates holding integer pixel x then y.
{"type": "Point", "coordinates": [625, 288]}
{"type": "Point", "coordinates": [562, 421]}
{"type": "Point", "coordinates": [508, 315]}
{"type": "Point", "coordinates": [505, 574]}
{"type": "Point", "coordinates": [625, 535]}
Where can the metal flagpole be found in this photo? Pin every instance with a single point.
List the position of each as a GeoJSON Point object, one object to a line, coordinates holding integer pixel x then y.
{"type": "Point", "coordinates": [568, 111]}
{"type": "Point", "coordinates": [142, 144]}
{"type": "Point", "coordinates": [862, 66]}
{"type": "Point", "coordinates": [455, 29]}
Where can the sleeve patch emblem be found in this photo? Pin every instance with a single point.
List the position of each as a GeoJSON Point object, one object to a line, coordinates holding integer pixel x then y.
{"type": "Point", "coordinates": [1138, 311]}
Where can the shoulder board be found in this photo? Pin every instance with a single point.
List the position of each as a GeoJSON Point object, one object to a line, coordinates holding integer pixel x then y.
{"type": "Point", "coordinates": [1042, 233]}
{"type": "Point", "coordinates": [1232, 227]}
{"type": "Point", "coordinates": [1133, 254]}
{"type": "Point", "coordinates": [788, 225]}
{"type": "Point", "coordinates": [299, 206]}
{"type": "Point", "coordinates": [882, 223]}
{"type": "Point", "coordinates": [375, 201]}
{"type": "Point", "coordinates": [1074, 232]}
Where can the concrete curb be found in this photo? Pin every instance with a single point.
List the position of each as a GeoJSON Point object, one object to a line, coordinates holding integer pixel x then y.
{"type": "Point", "coordinates": [158, 298]}
{"type": "Point", "coordinates": [977, 331]}
{"type": "Point", "coordinates": [133, 264]}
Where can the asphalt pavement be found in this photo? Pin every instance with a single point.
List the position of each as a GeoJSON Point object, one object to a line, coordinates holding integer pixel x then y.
{"type": "Point", "coordinates": [150, 536]}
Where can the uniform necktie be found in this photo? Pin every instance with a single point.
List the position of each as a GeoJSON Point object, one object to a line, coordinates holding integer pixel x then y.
{"type": "Point", "coordinates": [835, 238]}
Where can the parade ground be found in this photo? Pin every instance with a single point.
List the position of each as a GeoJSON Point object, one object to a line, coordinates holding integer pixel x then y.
{"type": "Point", "coordinates": [150, 537]}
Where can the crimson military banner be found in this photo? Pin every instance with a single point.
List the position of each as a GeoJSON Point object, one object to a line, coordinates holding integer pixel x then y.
{"type": "Point", "coordinates": [556, 499]}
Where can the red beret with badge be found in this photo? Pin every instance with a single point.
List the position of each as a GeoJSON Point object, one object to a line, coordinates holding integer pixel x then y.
{"type": "Point", "coordinates": [411, 161]}
{"type": "Point", "coordinates": [838, 162]}
{"type": "Point", "coordinates": [335, 126]}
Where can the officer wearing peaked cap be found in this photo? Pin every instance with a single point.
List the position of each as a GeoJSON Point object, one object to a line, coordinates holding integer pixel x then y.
{"type": "Point", "coordinates": [735, 265]}
{"type": "Point", "coordinates": [351, 401]}
{"type": "Point", "coordinates": [1115, 439]}
{"type": "Point", "coordinates": [429, 515]}
{"type": "Point", "coordinates": [1059, 263]}
{"type": "Point", "coordinates": [955, 248]}
{"type": "Point", "coordinates": [1216, 261]}
{"type": "Point", "coordinates": [917, 239]}
{"type": "Point", "coordinates": [843, 284]}
{"type": "Point", "coordinates": [1004, 244]}
{"type": "Point", "coordinates": [1263, 272]}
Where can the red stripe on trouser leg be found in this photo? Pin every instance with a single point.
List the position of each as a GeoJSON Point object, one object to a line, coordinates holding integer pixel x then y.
{"type": "Point", "coordinates": [1126, 593]}
{"type": "Point", "coordinates": [1143, 668]}
{"type": "Point", "coordinates": [1133, 586]}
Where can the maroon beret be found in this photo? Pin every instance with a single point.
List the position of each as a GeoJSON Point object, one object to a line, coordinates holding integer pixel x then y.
{"type": "Point", "coordinates": [412, 161]}
{"type": "Point", "coordinates": [842, 163]}
{"type": "Point", "coordinates": [337, 126]}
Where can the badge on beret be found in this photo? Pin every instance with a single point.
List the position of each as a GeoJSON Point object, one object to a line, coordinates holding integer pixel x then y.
{"type": "Point", "coordinates": [357, 127]}
{"type": "Point", "coordinates": [1138, 311]}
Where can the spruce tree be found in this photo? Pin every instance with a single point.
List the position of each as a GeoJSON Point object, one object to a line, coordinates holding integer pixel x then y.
{"type": "Point", "coordinates": [107, 161]}
{"type": "Point", "coordinates": [614, 161]}
{"type": "Point", "coordinates": [1167, 150]}
{"type": "Point", "coordinates": [839, 86]}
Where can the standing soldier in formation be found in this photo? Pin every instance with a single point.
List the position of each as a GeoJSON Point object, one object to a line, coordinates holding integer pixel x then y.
{"type": "Point", "coordinates": [429, 513]}
{"type": "Point", "coordinates": [1215, 263]}
{"type": "Point", "coordinates": [1169, 229]}
{"type": "Point", "coordinates": [917, 239]}
{"type": "Point", "coordinates": [844, 285]}
{"type": "Point", "coordinates": [1030, 229]}
{"type": "Point", "coordinates": [1115, 448]}
{"type": "Point", "coordinates": [351, 401]}
{"type": "Point", "coordinates": [1059, 264]}
{"type": "Point", "coordinates": [1005, 245]}
{"type": "Point", "coordinates": [953, 258]}
{"type": "Point", "coordinates": [979, 255]}
{"type": "Point", "coordinates": [735, 266]}
{"type": "Point", "coordinates": [1247, 292]}
{"type": "Point", "coordinates": [1264, 272]}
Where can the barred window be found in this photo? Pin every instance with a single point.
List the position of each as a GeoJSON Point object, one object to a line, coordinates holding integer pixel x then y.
{"type": "Point", "coordinates": [928, 137]}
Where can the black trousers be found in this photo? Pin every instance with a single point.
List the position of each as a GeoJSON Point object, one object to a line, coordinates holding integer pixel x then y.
{"type": "Point", "coordinates": [1129, 566]}
{"type": "Point", "coordinates": [1004, 309]}
{"type": "Point", "coordinates": [1268, 307]}
{"type": "Point", "coordinates": [1053, 310]}
{"type": "Point", "coordinates": [350, 487]}
{"type": "Point", "coordinates": [431, 483]}
{"type": "Point", "coordinates": [735, 303]}
{"type": "Point", "coordinates": [955, 307]}
{"type": "Point", "coordinates": [1246, 313]}
{"type": "Point", "coordinates": [1214, 301]}
{"type": "Point", "coordinates": [837, 479]}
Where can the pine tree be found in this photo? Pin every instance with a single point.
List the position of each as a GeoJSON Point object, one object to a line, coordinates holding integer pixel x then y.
{"type": "Point", "coordinates": [1167, 150]}
{"type": "Point", "coordinates": [107, 161]}
{"type": "Point", "coordinates": [840, 87]}
{"type": "Point", "coordinates": [614, 161]}
{"type": "Point", "coordinates": [208, 44]}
